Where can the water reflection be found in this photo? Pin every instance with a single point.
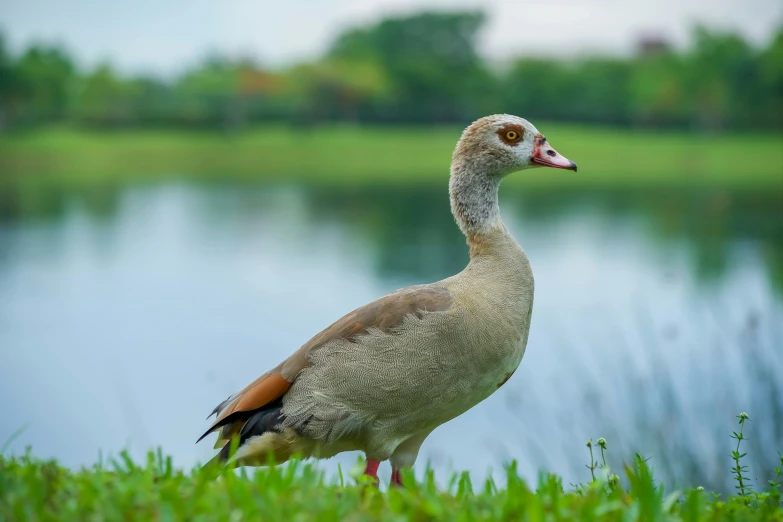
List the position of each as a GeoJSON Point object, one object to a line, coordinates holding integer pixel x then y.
{"type": "Point", "coordinates": [127, 312]}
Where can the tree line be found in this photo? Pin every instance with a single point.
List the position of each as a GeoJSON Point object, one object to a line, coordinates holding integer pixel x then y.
{"type": "Point", "coordinates": [422, 68]}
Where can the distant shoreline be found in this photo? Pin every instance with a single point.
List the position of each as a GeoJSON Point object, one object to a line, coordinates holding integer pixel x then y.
{"type": "Point", "coordinates": [358, 155]}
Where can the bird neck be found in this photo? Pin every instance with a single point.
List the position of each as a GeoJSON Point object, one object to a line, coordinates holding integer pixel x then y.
{"type": "Point", "coordinates": [474, 203]}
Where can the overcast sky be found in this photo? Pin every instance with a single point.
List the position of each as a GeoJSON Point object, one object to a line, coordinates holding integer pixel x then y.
{"type": "Point", "coordinates": [166, 36]}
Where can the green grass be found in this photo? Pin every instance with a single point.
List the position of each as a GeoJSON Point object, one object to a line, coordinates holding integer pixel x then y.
{"type": "Point", "coordinates": [42, 490]}
{"type": "Point", "coordinates": [351, 155]}
{"type": "Point", "coordinates": [31, 489]}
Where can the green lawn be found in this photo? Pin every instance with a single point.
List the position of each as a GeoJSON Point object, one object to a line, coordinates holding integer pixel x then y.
{"type": "Point", "coordinates": [352, 155]}
{"type": "Point", "coordinates": [31, 489]}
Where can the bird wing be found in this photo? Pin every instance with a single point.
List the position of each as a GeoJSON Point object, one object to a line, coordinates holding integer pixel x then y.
{"type": "Point", "coordinates": [383, 314]}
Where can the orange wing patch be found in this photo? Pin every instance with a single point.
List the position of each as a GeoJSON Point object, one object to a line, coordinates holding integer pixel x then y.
{"type": "Point", "coordinates": [262, 392]}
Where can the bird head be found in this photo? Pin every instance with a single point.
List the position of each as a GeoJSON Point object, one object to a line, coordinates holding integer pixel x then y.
{"type": "Point", "coordinates": [503, 143]}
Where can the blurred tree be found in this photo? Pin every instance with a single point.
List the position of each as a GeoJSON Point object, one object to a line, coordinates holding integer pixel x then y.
{"type": "Point", "coordinates": [540, 89]}
{"type": "Point", "coordinates": [39, 83]}
{"type": "Point", "coordinates": [423, 68]}
{"type": "Point", "coordinates": [430, 60]}
{"type": "Point", "coordinates": [595, 90]}
{"type": "Point", "coordinates": [152, 102]}
{"type": "Point", "coordinates": [102, 99]}
{"type": "Point", "coordinates": [771, 78]}
{"type": "Point", "coordinates": [7, 87]}
{"type": "Point", "coordinates": [722, 80]}
{"type": "Point", "coordinates": [339, 89]}
{"type": "Point", "coordinates": [604, 91]}
{"type": "Point", "coordinates": [268, 94]}
{"type": "Point", "coordinates": [657, 95]}
{"type": "Point", "coordinates": [210, 95]}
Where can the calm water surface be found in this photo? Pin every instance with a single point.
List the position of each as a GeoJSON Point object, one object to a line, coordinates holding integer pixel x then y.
{"type": "Point", "coordinates": [127, 314]}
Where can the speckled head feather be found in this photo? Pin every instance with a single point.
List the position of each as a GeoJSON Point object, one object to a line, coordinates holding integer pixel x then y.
{"type": "Point", "coordinates": [490, 149]}
{"type": "Point", "coordinates": [482, 157]}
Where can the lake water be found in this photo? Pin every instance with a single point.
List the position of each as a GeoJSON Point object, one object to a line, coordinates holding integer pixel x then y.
{"type": "Point", "coordinates": [126, 314]}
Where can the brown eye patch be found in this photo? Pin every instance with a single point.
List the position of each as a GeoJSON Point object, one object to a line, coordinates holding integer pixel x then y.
{"type": "Point", "coordinates": [511, 134]}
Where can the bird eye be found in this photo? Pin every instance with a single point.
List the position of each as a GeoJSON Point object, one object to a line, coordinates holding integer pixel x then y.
{"type": "Point", "coordinates": [512, 135]}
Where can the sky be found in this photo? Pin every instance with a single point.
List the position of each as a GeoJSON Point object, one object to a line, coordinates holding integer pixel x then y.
{"type": "Point", "coordinates": [159, 36]}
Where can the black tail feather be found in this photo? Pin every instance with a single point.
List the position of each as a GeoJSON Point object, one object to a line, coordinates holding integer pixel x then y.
{"type": "Point", "coordinates": [266, 419]}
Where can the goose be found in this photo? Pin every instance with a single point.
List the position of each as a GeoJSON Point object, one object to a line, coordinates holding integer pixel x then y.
{"type": "Point", "coordinates": [383, 377]}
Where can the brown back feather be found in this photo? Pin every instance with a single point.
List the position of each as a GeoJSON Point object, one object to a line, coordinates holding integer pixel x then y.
{"type": "Point", "coordinates": [383, 314]}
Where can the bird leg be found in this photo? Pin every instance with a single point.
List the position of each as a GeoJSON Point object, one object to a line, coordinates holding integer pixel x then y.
{"type": "Point", "coordinates": [396, 479]}
{"type": "Point", "coordinates": [372, 470]}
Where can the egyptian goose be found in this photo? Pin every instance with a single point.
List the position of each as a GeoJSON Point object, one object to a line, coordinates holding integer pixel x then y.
{"type": "Point", "coordinates": [384, 376]}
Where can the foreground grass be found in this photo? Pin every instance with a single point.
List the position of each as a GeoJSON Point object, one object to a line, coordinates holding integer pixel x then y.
{"type": "Point", "coordinates": [32, 489]}
{"type": "Point", "coordinates": [349, 155]}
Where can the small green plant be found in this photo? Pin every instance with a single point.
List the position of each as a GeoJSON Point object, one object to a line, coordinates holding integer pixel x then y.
{"type": "Point", "coordinates": [775, 484]}
{"type": "Point", "coordinates": [602, 444]}
{"type": "Point", "coordinates": [592, 464]}
{"type": "Point", "coordinates": [743, 482]}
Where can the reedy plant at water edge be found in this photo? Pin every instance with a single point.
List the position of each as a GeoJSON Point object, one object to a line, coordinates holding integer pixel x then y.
{"type": "Point", "coordinates": [738, 469]}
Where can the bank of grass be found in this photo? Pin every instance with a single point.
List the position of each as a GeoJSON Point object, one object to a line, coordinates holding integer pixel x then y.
{"type": "Point", "coordinates": [350, 155]}
{"type": "Point", "coordinates": [32, 489]}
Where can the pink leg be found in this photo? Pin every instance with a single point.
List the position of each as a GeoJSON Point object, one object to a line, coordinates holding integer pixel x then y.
{"type": "Point", "coordinates": [396, 478]}
{"type": "Point", "coordinates": [372, 469]}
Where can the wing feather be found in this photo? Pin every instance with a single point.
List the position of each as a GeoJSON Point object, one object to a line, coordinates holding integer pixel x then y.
{"type": "Point", "coordinates": [383, 314]}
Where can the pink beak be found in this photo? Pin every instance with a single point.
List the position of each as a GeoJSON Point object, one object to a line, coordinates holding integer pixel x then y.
{"type": "Point", "coordinates": [545, 155]}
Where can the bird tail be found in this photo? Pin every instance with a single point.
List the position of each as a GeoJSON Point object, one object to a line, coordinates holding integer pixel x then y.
{"type": "Point", "coordinates": [267, 449]}
{"type": "Point", "coordinates": [259, 441]}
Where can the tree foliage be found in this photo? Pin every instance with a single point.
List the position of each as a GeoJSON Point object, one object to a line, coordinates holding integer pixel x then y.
{"type": "Point", "coordinates": [422, 68]}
